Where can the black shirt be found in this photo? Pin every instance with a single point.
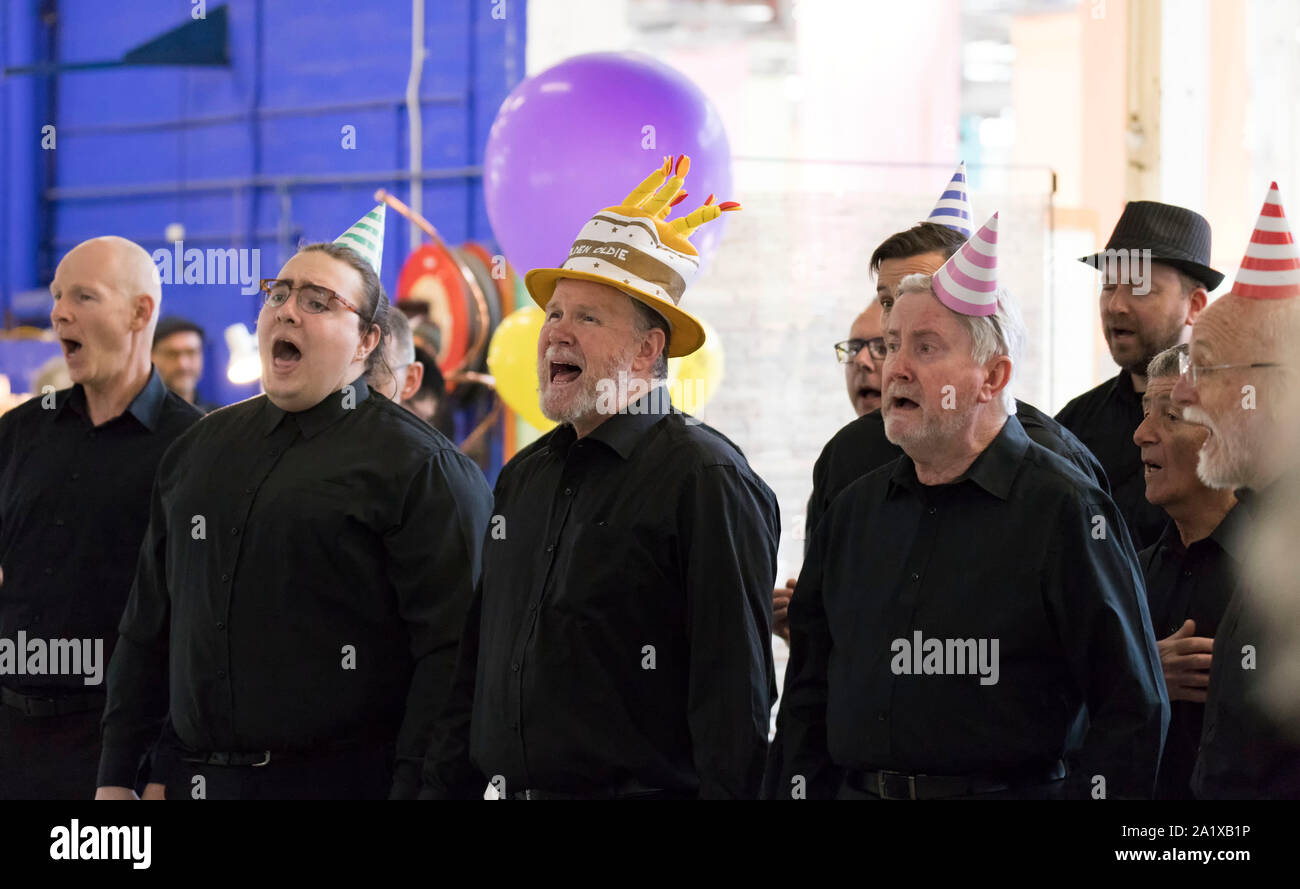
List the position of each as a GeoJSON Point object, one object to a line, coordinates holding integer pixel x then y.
{"type": "Point", "coordinates": [74, 501]}
{"type": "Point", "coordinates": [302, 584]}
{"type": "Point", "coordinates": [622, 624]}
{"type": "Point", "coordinates": [861, 447]}
{"type": "Point", "coordinates": [1105, 419]}
{"type": "Point", "coordinates": [1245, 753]}
{"type": "Point", "coordinates": [1007, 552]}
{"type": "Point", "coordinates": [1187, 583]}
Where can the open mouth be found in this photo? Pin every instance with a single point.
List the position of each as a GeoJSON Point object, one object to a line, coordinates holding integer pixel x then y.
{"type": "Point", "coordinates": [70, 347]}
{"type": "Point", "coordinates": [285, 355]}
{"type": "Point", "coordinates": [564, 373]}
{"type": "Point", "coordinates": [1150, 468]}
{"type": "Point", "coordinates": [903, 404]}
{"type": "Point", "coordinates": [1121, 332]}
{"type": "Point", "coordinates": [866, 392]}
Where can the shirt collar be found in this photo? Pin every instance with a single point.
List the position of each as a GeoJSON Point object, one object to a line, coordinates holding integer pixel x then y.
{"type": "Point", "coordinates": [321, 415]}
{"type": "Point", "coordinates": [1122, 389]}
{"type": "Point", "coordinates": [145, 407]}
{"type": "Point", "coordinates": [622, 431]}
{"type": "Point", "coordinates": [1228, 533]}
{"type": "Point", "coordinates": [994, 470]}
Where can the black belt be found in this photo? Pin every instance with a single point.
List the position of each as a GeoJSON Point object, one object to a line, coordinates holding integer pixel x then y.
{"type": "Point", "coordinates": [887, 784]}
{"type": "Point", "coordinates": [259, 758]}
{"type": "Point", "coordinates": [45, 705]}
{"type": "Point", "coordinates": [625, 790]}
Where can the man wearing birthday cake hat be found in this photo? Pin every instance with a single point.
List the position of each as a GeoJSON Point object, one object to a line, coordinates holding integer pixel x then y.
{"type": "Point", "coordinates": [1004, 596]}
{"type": "Point", "coordinates": [309, 560]}
{"type": "Point", "coordinates": [618, 646]}
{"type": "Point", "coordinates": [1239, 372]}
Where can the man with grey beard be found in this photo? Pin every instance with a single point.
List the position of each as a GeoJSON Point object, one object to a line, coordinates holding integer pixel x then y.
{"type": "Point", "coordinates": [617, 646]}
{"type": "Point", "coordinates": [1235, 379]}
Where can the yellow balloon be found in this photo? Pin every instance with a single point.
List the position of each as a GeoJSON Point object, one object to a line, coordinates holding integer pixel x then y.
{"type": "Point", "coordinates": [693, 379]}
{"type": "Point", "coordinates": [512, 360]}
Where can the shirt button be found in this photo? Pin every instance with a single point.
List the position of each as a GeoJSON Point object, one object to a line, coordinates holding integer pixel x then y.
{"type": "Point", "coordinates": [568, 492]}
{"type": "Point", "coordinates": [550, 548]}
{"type": "Point", "coordinates": [915, 576]}
{"type": "Point", "coordinates": [933, 510]}
{"type": "Point", "coordinates": [515, 667]}
{"type": "Point", "coordinates": [225, 577]}
{"type": "Point", "coordinates": [234, 530]}
{"type": "Point", "coordinates": [220, 625]}
{"type": "Point", "coordinates": [881, 716]}
{"type": "Point", "coordinates": [49, 571]}
{"type": "Point", "coordinates": [76, 475]}
{"type": "Point", "coordinates": [58, 523]}
{"type": "Point", "coordinates": [221, 674]}
{"type": "Point", "coordinates": [532, 609]}
{"type": "Point", "coordinates": [248, 490]}
{"type": "Point", "coordinates": [514, 726]}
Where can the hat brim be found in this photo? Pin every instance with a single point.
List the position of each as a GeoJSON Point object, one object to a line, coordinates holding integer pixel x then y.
{"type": "Point", "coordinates": [687, 334]}
{"type": "Point", "coordinates": [1203, 273]}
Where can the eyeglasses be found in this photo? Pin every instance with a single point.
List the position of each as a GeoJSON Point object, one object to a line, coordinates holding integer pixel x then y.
{"type": "Point", "coordinates": [312, 298]}
{"type": "Point", "coordinates": [849, 349]}
{"type": "Point", "coordinates": [1185, 366]}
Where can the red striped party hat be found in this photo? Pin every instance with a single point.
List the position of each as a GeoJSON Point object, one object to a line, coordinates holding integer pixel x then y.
{"type": "Point", "coordinates": [1271, 267]}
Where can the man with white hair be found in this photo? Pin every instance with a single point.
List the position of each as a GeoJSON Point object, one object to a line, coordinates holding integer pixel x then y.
{"type": "Point", "coordinates": [1003, 596]}
{"type": "Point", "coordinates": [618, 646]}
{"type": "Point", "coordinates": [76, 468]}
{"type": "Point", "coordinates": [1235, 381]}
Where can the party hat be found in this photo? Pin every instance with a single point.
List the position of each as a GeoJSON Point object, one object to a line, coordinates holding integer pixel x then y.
{"type": "Point", "coordinates": [1271, 268]}
{"type": "Point", "coordinates": [968, 282]}
{"type": "Point", "coordinates": [953, 209]}
{"type": "Point", "coordinates": [634, 247]}
{"type": "Point", "coordinates": [366, 237]}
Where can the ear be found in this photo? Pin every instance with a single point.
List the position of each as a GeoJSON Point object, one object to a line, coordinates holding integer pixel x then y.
{"type": "Point", "coordinates": [142, 308]}
{"type": "Point", "coordinates": [997, 375]}
{"type": "Point", "coordinates": [368, 343]}
{"type": "Point", "coordinates": [414, 377]}
{"type": "Point", "coordinates": [651, 346]}
{"type": "Point", "coordinates": [1196, 304]}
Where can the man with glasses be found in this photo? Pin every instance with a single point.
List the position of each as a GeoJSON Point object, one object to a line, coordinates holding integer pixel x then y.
{"type": "Point", "coordinates": [310, 556]}
{"type": "Point", "coordinates": [1237, 376]}
{"type": "Point", "coordinates": [862, 354]}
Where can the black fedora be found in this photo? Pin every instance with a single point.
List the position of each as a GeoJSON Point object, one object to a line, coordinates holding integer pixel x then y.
{"type": "Point", "coordinates": [1175, 236]}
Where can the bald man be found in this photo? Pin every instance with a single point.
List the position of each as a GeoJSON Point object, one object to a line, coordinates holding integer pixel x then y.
{"type": "Point", "coordinates": [76, 470]}
{"type": "Point", "coordinates": [1242, 368]}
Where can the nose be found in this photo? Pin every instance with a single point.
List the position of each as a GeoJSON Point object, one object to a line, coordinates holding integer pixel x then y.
{"type": "Point", "coordinates": [1118, 301]}
{"type": "Point", "coordinates": [288, 311]}
{"type": "Point", "coordinates": [1145, 433]}
{"type": "Point", "coordinates": [896, 368]}
{"type": "Point", "coordinates": [1184, 392]}
{"type": "Point", "coordinates": [59, 313]}
{"type": "Point", "coordinates": [864, 359]}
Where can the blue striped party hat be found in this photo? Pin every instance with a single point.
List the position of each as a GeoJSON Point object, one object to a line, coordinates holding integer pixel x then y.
{"type": "Point", "coordinates": [953, 209]}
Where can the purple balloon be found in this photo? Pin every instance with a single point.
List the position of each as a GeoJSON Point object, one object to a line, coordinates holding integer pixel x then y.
{"type": "Point", "coordinates": [580, 135]}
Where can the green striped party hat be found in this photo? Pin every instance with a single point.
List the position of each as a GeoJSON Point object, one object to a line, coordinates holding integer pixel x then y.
{"type": "Point", "coordinates": [366, 237]}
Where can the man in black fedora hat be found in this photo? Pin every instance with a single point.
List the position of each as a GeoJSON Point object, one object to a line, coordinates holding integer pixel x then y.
{"type": "Point", "coordinates": [1156, 279]}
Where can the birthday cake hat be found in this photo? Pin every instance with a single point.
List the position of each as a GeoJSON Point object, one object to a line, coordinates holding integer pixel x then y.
{"type": "Point", "coordinates": [366, 237]}
{"type": "Point", "coordinates": [953, 209]}
{"type": "Point", "coordinates": [635, 247]}
{"type": "Point", "coordinates": [968, 282]}
{"type": "Point", "coordinates": [1271, 267]}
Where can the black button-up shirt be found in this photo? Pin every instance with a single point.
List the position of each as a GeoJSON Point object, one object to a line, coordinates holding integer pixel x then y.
{"type": "Point", "coordinates": [1188, 583]}
{"type": "Point", "coordinates": [622, 625]}
{"type": "Point", "coordinates": [302, 584]}
{"type": "Point", "coordinates": [1105, 419]}
{"type": "Point", "coordinates": [1011, 551]}
{"type": "Point", "coordinates": [861, 447]}
{"type": "Point", "coordinates": [74, 501]}
{"type": "Point", "coordinates": [1245, 752]}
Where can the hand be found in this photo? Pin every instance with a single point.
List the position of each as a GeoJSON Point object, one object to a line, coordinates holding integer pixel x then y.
{"type": "Point", "coordinates": [110, 792]}
{"type": "Point", "coordinates": [780, 610]}
{"type": "Point", "coordinates": [1186, 662]}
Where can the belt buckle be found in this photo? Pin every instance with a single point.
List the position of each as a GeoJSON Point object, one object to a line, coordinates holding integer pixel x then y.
{"type": "Point", "coordinates": [266, 758]}
{"type": "Point", "coordinates": [882, 783]}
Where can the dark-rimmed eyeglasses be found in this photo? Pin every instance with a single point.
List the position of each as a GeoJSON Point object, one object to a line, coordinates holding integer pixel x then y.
{"type": "Point", "coordinates": [312, 298]}
{"type": "Point", "coordinates": [849, 349]}
{"type": "Point", "coordinates": [1186, 367]}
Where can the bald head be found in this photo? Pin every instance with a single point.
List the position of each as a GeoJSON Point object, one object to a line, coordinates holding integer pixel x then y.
{"type": "Point", "coordinates": [107, 295]}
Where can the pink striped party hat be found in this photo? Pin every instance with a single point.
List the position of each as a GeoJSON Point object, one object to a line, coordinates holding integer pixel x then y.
{"type": "Point", "coordinates": [968, 282]}
{"type": "Point", "coordinates": [1271, 267]}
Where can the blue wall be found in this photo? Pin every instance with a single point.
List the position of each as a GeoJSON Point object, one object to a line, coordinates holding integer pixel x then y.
{"type": "Point", "coordinates": [249, 156]}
